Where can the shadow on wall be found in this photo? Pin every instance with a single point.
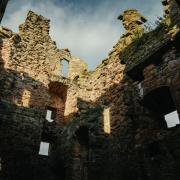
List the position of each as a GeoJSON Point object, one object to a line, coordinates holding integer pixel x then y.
{"type": "Point", "coordinates": [178, 1]}
{"type": "Point", "coordinates": [90, 152]}
{"type": "Point", "coordinates": [127, 140]}
{"type": "Point", "coordinates": [23, 101]}
{"type": "Point", "coordinates": [123, 138]}
{"type": "Point", "coordinates": [112, 138]}
{"type": "Point", "coordinates": [19, 88]}
{"type": "Point", "coordinates": [58, 93]}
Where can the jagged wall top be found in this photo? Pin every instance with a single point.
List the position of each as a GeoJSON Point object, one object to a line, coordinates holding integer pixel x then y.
{"type": "Point", "coordinates": [34, 21]}
{"type": "Point", "coordinates": [144, 47]}
{"type": "Point", "coordinates": [171, 12]}
{"type": "Point", "coordinates": [132, 20]}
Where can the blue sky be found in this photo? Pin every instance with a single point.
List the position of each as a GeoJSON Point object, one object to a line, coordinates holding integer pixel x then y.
{"type": "Point", "coordinates": [89, 28]}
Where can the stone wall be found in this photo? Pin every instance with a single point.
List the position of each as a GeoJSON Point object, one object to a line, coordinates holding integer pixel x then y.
{"type": "Point", "coordinates": [20, 136]}
{"type": "Point", "coordinates": [102, 129]}
{"type": "Point", "coordinates": [111, 154]}
{"type": "Point", "coordinates": [34, 57]}
{"type": "Point", "coordinates": [137, 146]}
{"type": "Point", "coordinates": [30, 81]}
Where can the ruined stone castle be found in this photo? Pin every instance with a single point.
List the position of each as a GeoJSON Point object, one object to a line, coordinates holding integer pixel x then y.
{"type": "Point", "coordinates": [106, 124]}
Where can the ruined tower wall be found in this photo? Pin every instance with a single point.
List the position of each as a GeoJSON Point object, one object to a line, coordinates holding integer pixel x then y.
{"type": "Point", "coordinates": [108, 132]}
{"type": "Point", "coordinates": [30, 82]}
{"type": "Point", "coordinates": [35, 58]}
{"type": "Point", "coordinates": [137, 137]}
{"type": "Point", "coordinates": [108, 107]}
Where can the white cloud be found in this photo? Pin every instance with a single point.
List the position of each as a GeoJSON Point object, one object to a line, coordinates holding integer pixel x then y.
{"type": "Point", "coordinates": [88, 34]}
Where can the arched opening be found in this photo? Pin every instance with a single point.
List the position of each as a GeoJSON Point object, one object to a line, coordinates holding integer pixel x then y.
{"type": "Point", "coordinates": [82, 151]}
{"type": "Point", "coordinates": [58, 92]}
{"type": "Point", "coordinates": [160, 102]}
{"type": "Point", "coordinates": [64, 67]}
{"type": "Point", "coordinates": [83, 136]}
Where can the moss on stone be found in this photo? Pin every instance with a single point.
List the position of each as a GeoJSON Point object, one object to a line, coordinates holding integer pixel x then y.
{"type": "Point", "coordinates": [145, 44]}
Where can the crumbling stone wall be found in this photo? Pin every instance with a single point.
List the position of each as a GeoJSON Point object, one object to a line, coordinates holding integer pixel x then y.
{"type": "Point", "coordinates": [171, 11]}
{"type": "Point", "coordinates": [32, 53]}
{"type": "Point", "coordinates": [30, 82]}
{"type": "Point", "coordinates": [102, 130]}
{"type": "Point", "coordinates": [138, 138]}
{"type": "Point", "coordinates": [94, 84]}
{"type": "Point", "coordinates": [106, 87]}
{"type": "Point", "coordinates": [20, 133]}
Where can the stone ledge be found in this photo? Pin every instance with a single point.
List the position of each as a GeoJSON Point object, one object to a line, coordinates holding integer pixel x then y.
{"type": "Point", "coordinates": [5, 32]}
{"type": "Point", "coordinates": [63, 80]}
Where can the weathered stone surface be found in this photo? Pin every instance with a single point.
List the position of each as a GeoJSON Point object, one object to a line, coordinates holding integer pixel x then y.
{"type": "Point", "coordinates": [104, 124]}
{"type": "Point", "coordinates": [148, 48]}
{"type": "Point", "coordinates": [132, 20]}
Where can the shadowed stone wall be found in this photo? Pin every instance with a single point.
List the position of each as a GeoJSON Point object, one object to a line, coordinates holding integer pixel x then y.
{"type": "Point", "coordinates": [103, 128]}
{"type": "Point", "coordinates": [30, 82]}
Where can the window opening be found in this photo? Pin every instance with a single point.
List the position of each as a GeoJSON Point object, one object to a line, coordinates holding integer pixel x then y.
{"type": "Point", "coordinates": [44, 148]}
{"type": "Point", "coordinates": [64, 68]}
{"type": "Point", "coordinates": [159, 101]}
{"type": "Point", "coordinates": [141, 91]}
{"type": "Point", "coordinates": [50, 114]}
{"type": "Point", "coordinates": [82, 135]}
{"type": "Point", "coordinates": [107, 122]}
{"type": "Point", "coordinates": [172, 119]}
